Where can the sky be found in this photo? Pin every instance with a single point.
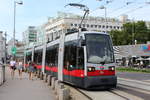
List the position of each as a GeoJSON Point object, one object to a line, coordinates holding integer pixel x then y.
{"type": "Point", "coordinates": [36, 12]}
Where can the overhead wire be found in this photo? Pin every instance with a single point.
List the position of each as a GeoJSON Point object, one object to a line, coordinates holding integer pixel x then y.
{"type": "Point", "coordinates": [106, 3]}
{"type": "Point", "coordinates": [133, 10]}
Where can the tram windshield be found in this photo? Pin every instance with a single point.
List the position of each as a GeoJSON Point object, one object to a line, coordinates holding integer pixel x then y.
{"type": "Point", "coordinates": [99, 49]}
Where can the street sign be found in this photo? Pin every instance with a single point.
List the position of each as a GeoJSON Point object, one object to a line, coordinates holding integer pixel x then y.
{"type": "Point", "coordinates": [14, 50]}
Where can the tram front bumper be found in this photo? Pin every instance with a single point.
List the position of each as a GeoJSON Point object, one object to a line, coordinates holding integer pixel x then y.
{"type": "Point", "coordinates": [100, 82]}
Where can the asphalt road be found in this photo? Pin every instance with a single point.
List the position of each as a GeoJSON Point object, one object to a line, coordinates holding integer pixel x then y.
{"type": "Point", "coordinates": [134, 76]}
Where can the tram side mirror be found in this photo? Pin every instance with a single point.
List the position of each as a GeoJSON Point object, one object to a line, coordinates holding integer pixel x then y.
{"type": "Point", "coordinates": [83, 43]}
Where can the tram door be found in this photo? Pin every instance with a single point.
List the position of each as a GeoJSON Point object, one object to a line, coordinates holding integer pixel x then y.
{"type": "Point", "coordinates": [69, 60]}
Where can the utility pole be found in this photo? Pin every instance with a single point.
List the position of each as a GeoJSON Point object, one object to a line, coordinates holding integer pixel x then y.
{"type": "Point", "coordinates": [133, 31]}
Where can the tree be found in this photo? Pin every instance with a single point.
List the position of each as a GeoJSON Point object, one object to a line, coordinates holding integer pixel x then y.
{"type": "Point", "coordinates": [131, 31]}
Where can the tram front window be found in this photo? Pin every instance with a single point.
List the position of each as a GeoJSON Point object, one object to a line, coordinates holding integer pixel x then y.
{"type": "Point", "coordinates": [99, 48]}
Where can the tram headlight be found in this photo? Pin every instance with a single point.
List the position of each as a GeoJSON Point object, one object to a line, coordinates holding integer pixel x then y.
{"type": "Point", "coordinates": [112, 68]}
{"type": "Point", "coordinates": [90, 69]}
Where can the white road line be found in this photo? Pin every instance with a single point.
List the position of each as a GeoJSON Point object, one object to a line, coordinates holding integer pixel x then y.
{"type": "Point", "coordinates": [135, 89]}
{"type": "Point", "coordinates": [131, 80]}
{"type": "Point", "coordinates": [134, 83]}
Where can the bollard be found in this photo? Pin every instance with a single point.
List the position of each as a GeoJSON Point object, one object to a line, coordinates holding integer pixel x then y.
{"type": "Point", "coordinates": [60, 86]}
{"type": "Point", "coordinates": [64, 94]}
{"type": "Point", "coordinates": [1, 75]}
{"type": "Point", "coordinates": [38, 74]}
{"type": "Point", "coordinates": [57, 82]}
{"type": "Point", "coordinates": [41, 75]}
{"type": "Point", "coordinates": [45, 77]}
{"type": "Point", "coordinates": [4, 73]}
{"type": "Point", "coordinates": [53, 83]}
{"type": "Point", "coordinates": [49, 79]}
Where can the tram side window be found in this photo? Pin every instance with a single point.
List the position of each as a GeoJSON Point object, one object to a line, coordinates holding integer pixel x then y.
{"type": "Point", "coordinates": [39, 58]}
{"type": "Point", "coordinates": [70, 57]}
{"type": "Point", "coordinates": [28, 58]}
{"type": "Point", "coordinates": [80, 58]}
{"type": "Point", "coordinates": [56, 57]}
{"type": "Point", "coordinates": [35, 57]}
{"type": "Point", "coordinates": [66, 56]}
{"type": "Point", "coordinates": [48, 56]}
{"type": "Point", "coordinates": [52, 57]}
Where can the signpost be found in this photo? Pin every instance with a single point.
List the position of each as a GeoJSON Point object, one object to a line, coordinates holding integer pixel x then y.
{"type": "Point", "coordinates": [14, 50]}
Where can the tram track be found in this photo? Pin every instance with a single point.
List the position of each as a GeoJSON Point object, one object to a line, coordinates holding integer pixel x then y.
{"type": "Point", "coordinates": [98, 94]}
{"type": "Point", "coordinates": [84, 93]}
{"type": "Point", "coordinates": [122, 92]}
{"type": "Point", "coordinates": [119, 95]}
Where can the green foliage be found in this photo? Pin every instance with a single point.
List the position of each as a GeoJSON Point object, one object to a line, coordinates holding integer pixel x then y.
{"type": "Point", "coordinates": [127, 69]}
{"type": "Point", "coordinates": [131, 31]}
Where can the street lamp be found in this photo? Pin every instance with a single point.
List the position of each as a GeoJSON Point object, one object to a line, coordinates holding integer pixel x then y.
{"type": "Point", "coordinates": [102, 7]}
{"type": "Point", "coordinates": [15, 3]}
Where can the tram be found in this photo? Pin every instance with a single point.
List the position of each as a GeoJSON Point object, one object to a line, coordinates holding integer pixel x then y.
{"type": "Point", "coordinates": [84, 59]}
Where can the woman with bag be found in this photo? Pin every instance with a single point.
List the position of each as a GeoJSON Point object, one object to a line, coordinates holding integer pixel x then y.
{"type": "Point", "coordinates": [20, 68]}
{"type": "Point", "coordinates": [31, 70]}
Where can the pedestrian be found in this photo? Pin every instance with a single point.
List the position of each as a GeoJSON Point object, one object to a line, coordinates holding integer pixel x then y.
{"type": "Point", "coordinates": [31, 70]}
{"type": "Point", "coordinates": [12, 67]}
{"type": "Point", "coordinates": [20, 68]}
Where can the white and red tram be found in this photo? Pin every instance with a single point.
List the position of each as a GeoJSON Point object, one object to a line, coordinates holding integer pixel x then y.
{"type": "Point", "coordinates": [84, 60]}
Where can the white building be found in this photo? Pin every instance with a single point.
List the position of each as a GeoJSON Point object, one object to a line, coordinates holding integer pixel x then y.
{"type": "Point", "coordinates": [2, 46]}
{"type": "Point", "coordinates": [30, 35]}
{"type": "Point", "coordinates": [67, 21]}
{"type": "Point", "coordinates": [41, 37]}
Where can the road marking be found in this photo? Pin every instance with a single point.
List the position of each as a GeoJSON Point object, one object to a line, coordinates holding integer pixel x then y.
{"type": "Point", "coordinates": [133, 88]}
{"type": "Point", "coordinates": [146, 80]}
{"type": "Point", "coordinates": [140, 82]}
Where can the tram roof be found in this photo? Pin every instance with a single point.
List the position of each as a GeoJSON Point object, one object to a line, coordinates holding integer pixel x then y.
{"type": "Point", "coordinates": [74, 36]}
{"type": "Point", "coordinates": [69, 37]}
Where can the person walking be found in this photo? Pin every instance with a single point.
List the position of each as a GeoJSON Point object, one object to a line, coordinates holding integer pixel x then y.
{"type": "Point", "coordinates": [12, 67]}
{"type": "Point", "coordinates": [20, 68]}
{"type": "Point", "coordinates": [31, 70]}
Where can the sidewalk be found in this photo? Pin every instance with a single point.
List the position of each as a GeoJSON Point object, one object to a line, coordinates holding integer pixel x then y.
{"type": "Point", "coordinates": [24, 89]}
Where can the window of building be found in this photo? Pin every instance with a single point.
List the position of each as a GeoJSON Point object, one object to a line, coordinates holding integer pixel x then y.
{"type": "Point", "coordinates": [118, 27]}
{"type": "Point", "coordinates": [71, 24]}
{"type": "Point", "coordinates": [99, 26]}
{"type": "Point", "coordinates": [91, 26]}
{"type": "Point", "coordinates": [106, 26]}
{"type": "Point", "coordinates": [83, 25]}
{"type": "Point", "coordinates": [87, 25]}
{"type": "Point", "coordinates": [75, 25]}
{"type": "Point", "coordinates": [95, 26]}
{"type": "Point", "coordinates": [114, 27]}
{"type": "Point", "coordinates": [103, 26]}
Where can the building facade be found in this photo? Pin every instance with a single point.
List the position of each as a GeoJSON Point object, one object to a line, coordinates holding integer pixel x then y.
{"type": "Point", "coordinates": [41, 37]}
{"type": "Point", "coordinates": [30, 35]}
{"type": "Point", "coordinates": [66, 21]}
